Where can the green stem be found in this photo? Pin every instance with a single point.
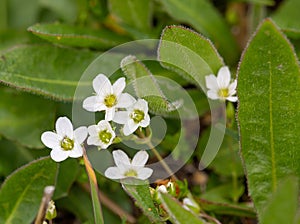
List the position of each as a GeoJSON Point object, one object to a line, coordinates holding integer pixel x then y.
{"type": "Point", "coordinates": [257, 14]}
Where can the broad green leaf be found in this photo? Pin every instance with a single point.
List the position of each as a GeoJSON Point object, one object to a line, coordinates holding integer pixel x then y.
{"type": "Point", "coordinates": [188, 53]}
{"type": "Point", "coordinates": [21, 193]}
{"type": "Point", "coordinates": [205, 19]}
{"type": "Point", "coordinates": [44, 69]}
{"type": "Point", "coordinates": [67, 173]}
{"type": "Point", "coordinates": [21, 112]}
{"type": "Point", "coordinates": [269, 112]}
{"type": "Point", "coordinates": [77, 36]}
{"type": "Point", "coordinates": [227, 209]}
{"type": "Point", "coordinates": [132, 13]}
{"type": "Point", "coordinates": [139, 191]}
{"type": "Point", "coordinates": [287, 17]}
{"type": "Point", "coordinates": [177, 213]}
{"type": "Point", "coordinates": [282, 206]}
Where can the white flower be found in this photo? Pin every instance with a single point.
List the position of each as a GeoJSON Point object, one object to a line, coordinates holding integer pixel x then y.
{"type": "Point", "coordinates": [108, 97]}
{"type": "Point", "coordinates": [135, 116]}
{"type": "Point", "coordinates": [101, 134]}
{"type": "Point", "coordinates": [64, 142]}
{"type": "Point", "coordinates": [189, 205]}
{"type": "Point", "coordinates": [125, 168]}
{"type": "Point", "coordinates": [220, 87]}
{"type": "Point", "coordinates": [162, 189]}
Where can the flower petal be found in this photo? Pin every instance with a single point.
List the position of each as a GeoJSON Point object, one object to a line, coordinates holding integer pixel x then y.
{"type": "Point", "coordinates": [93, 130]}
{"type": "Point", "coordinates": [130, 127]}
{"type": "Point", "coordinates": [125, 100]}
{"type": "Point", "coordinates": [64, 127]}
{"type": "Point", "coordinates": [232, 87]}
{"type": "Point", "coordinates": [50, 139]}
{"type": "Point", "coordinates": [119, 86]}
{"type": "Point", "coordinates": [110, 113]}
{"type": "Point", "coordinates": [93, 104]}
{"type": "Point", "coordinates": [141, 105]}
{"type": "Point", "coordinates": [144, 173]}
{"type": "Point", "coordinates": [232, 98]}
{"type": "Point", "coordinates": [223, 77]}
{"type": "Point", "coordinates": [146, 121]}
{"type": "Point", "coordinates": [211, 82]}
{"type": "Point", "coordinates": [140, 158]}
{"type": "Point", "coordinates": [93, 140]}
{"type": "Point", "coordinates": [76, 151]}
{"type": "Point", "coordinates": [59, 155]}
{"type": "Point", "coordinates": [80, 134]}
{"type": "Point", "coordinates": [212, 95]}
{"type": "Point", "coordinates": [113, 173]}
{"type": "Point", "coordinates": [121, 117]}
{"type": "Point", "coordinates": [121, 158]}
{"type": "Point", "coordinates": [102, 85]}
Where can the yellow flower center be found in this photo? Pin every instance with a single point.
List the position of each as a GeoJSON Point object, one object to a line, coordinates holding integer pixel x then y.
{"type": "Point", "coordinates": [137, 116]}
{"type": "Point", "coordinates": [130, 173]}
{"type": "Point", "coordinates": [67, 144]}
{"type": "Point", "coordinates": [110, 100]}
{"type": "Point", "coordinates": [105, 136]}
{"type": "Point", "coordinates": [223, 93]}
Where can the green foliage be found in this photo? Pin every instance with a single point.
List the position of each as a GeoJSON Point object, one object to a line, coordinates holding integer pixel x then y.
{"type": "Point", "coordinates": [193, 56]}
{"type": "Point", "coordinates": [77, 36]}
{"type": "Point", "coordinates": [20, 112]}
{"type": "Point", "coordinates": [268, 112]}
{"type": "Point", "coordinates": [206, 20]}
{"type": "Point", "coordinates": [177, 213]}
{"type": "Point", "coordinates": [44, 69]}
{"type": "Point", "coordinates": [21, 193]}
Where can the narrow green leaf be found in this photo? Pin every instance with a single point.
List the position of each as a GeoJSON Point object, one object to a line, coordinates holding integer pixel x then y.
{"type": "Point", "coordinates": [287, 17]}
{"type": "Point", "coordinates": [45, 69]}
{"type": "Point", "coordinates": [77, 36]}
{"type": "Point", "coordinates": [21, 112]}
{"type": "Point", "coordinates": [205, 19]}
{"type": "Point", "coordinates": [133, 13]}
{"type": "Point", "coordinates": [269, 112]}
{"type": "Point", "coordinates": [189, 54]}
{"type": "Point", "coordinates": [282, 206]}
{"type": "Point", "coordinates": [177, 213]}
{"type": "Point", "coordinates": [21, 193]}
{"type": "Point", "coordinates": [139, 191]}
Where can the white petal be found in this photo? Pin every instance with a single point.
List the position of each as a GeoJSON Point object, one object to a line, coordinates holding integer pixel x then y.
{"type": "Point", "coordinates": [232, 98]}
{"type": "Point", "coordinates": [93, 130]}
{"type": "Point", "coordinates": [103, 125]}
{"type": "Point", "coordinates": [141, 105]}
{"type": "Point", "coordinates": [187, 201]}
{"type": "Point", "coordinates": [212, 95]}
{"type": "Point", "coordinates": [140, 158]}
{"type": "Point", "coordinates": [80, 134]}
{"type": "Point", "coordinates": [223, 77]}
{"type": "Point", "coordinates": [162, 189]}
{"type": "Point", "coordinates": [59, 155]}
{"type": "Point", "coordinates": [64, 127]}
{"type": "Point", "coordinates": [119, 86]}
{"type": "Point", "coordinates": [232, 87]}
{"type": "Point", "coordinates": [76, 151]}
{"type": "Point", "coordinates": [121, 117]}
{"type": "Point", "coordinates": [110, 113]}
{"type": "Point", "coordinates": [146, 121]}
{"type": "Point", "coordinates": [211, 82]}
{"type": "Point", "coordinates": [144, 173]}
{"type": "Point", "coordinates": [125, 100]}
{"type": "Point", "coordinates": [50, 139]}
{"type": "Point", "coordinates": [93, 140]}
{"type": "Point", "coordinates": [130, 127]}
{"type": "Point", "coordinates": [113, 173]}
{"type": "Point", "coordinates": [102, 85]}
{"type": "Point", "coordinates": [93, 104]}
{"type": "Point", "coordinates": [121, 158]}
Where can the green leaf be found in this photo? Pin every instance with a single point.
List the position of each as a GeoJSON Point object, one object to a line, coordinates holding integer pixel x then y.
{"type": "Point", "coordinates": [205, 19]}
{"type": "Point", "coordinates": [287, 17]}
{"type": "Point", "coordinates": [188, 53]}
{"type": "Point", "coordinates": [21, 193]}
{"type": "Point", "coordinates": [77, 36]}
{"type": "Point", "coordinates": [176, 212]}
{"type": "Point", "coordinates": [139, 191]}
{"type": "Point", "coordinates": [21, 112]}
{"type": "Point", "coordinates": [268, 112]}
{"type": "Point", "coordinates": [282, 206]}
{"type": "Point", "coordinates": [132, 13]}
{"type": "Point", "coordinates": [45, 69]}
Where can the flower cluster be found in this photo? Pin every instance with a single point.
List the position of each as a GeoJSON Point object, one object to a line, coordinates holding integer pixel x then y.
{"type": "Point", "coordinates": [120, 108]}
